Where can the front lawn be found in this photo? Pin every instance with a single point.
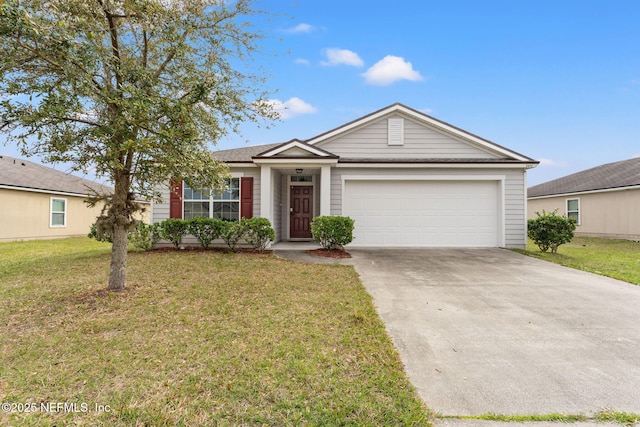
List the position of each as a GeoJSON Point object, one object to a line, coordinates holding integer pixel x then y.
{"type": "Point", "coordinates": [619, 259]}
{"type": "Point", "coordinates": [198, 339]}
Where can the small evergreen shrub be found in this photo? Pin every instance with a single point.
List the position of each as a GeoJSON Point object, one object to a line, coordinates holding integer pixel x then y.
{"type": "Point", "coordinates": [550, 230]}
{"type": "Point", "coordinates": [99, 233]}
{"type": "Point", "coordinates": [258, 233]}
{"type": "Point", "coordinates": [232, 232]}
{"type": "Point", "coordinates": [206, 230]}
{"type": "Point", "coordinates": [173, 230]}
{"type": "Point", "coordinates": [144, 236]}
{"type": "Point", "coordinates": [332, 231]}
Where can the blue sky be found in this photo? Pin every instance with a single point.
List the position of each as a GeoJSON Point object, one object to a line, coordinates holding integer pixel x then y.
{"type": "Point", "coordinates": [558, 81]}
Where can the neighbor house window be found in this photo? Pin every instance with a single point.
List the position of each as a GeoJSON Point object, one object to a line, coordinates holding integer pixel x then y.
{"type": "Point", "coordinates": [58, 217]}
{"type": "Point", "coordinates": [213, 204]}
{"type": "Point", "coordinates": [573, 209]}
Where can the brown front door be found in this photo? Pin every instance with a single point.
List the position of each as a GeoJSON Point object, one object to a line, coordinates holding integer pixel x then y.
{"type": "Point", "coordinates": [301, 211]}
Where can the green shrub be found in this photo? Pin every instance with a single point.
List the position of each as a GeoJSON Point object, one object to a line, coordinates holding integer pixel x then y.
{"type": "Point", "coordinates": [258, 233]}
{"type": "Point", "coordinates": [549, 230]}
{"type": "Point", "coordinates": [332, 231]}
{"type": "Point", "coordinates": [144, 236]}
{"type": "Point", "coordinates": [232, 232]}
{"type": "Point", "coordinates": [173, 230]}
{"type": "Point", "coordinates": [99, 233]}
{"type": "Point", "coordinates": [206, 230]}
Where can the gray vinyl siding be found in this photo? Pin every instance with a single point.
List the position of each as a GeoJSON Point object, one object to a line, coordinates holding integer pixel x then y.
{"type": "Point", "coordinates": [514, 193]}
{"type": "Point", "coordinates": [161, 210]}
{"type": "Point", "coordinates": [515, 210]}
{"type": "Point", "coordinates": [420, 141]}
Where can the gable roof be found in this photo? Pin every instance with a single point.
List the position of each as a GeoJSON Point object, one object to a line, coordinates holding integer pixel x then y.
{"type": "Point", "coordinates": [425, 119]}
{"type": "Point", "coordinates": [302, 146]}
{"type": "Point", "coordinates": [246, 154]}
{"type": "Point", "coordinates": [625, 173]}
{"type": "Point", "coordinates": [25, 175]}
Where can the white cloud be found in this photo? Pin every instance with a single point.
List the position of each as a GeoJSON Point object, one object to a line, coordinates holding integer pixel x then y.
{"type": "Point", "coordinates": [389, 70]}
{"type": "Point", "coordinates": [300, 29]}
{"type": "Point", "coordinates": [291, 108]}
{"type": "Point", "coordinates": [302, 61]}
{"type": "Point", "coordinates": [337, 56]}
{"type": "Point", "coordinates": [552, 163]}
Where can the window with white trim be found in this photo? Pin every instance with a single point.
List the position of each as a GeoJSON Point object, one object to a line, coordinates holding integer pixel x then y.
{"type": "Point", "coordinates": [213, 204]}
{"type": "Point", "coordinates": [573, 209]}
{"type": "Point", "coordinates": [58, 212]}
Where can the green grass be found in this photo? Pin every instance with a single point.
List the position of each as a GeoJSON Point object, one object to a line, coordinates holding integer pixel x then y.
{"type": "Point", "coordinates": [622, 418]}
{"type": "Point", "coordinates": [198, 339]}
{"type": "Point", "coordinates": [619, 259]}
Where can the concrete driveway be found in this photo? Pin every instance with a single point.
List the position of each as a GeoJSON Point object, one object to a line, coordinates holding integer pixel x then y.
{"type": "Point", "coordinates": [490, 330]}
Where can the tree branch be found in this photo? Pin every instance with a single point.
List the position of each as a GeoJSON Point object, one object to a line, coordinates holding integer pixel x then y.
{"type": "Point", "coordinates": [113, 32]}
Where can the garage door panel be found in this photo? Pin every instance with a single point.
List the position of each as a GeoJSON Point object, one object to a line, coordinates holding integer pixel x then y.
{"type": "Point", "coordinates": [423, 213]}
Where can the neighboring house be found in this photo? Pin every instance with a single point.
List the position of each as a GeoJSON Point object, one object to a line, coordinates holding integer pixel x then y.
{"type": "Point", "coordinates": [605, 200]}
{"type": "Point", "coordinates": [407, 180]}
{"type": "Point", "coordinates": [38, 202]}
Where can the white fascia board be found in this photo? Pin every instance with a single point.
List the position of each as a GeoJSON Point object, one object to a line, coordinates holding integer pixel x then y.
{"type": "Point", "coordinates": [36, 190]}
{"type": "Point", "coordinates": [284, 162]}
{"type": "Point", "coordinates": [578, 193]}
{"type": "Point", "coordinates": [352, 125]}
{"type": "Point", "coordinates": [295, 144]}
{"type": "Point", "coordinates": [434, 165]}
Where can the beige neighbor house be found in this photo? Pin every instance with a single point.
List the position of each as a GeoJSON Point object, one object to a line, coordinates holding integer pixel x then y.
{"type": "Point", "coordinates": [406, 178]}
{"type": "Point", "coordinates": [37, 202]}
{"type": "Point", "coordinates": [605, 200]}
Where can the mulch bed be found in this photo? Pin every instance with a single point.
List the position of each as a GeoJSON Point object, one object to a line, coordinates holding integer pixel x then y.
{"type": "Point", "coordinates": [201, 249]}
{"type": "Point", "coordinates": [329, 253]}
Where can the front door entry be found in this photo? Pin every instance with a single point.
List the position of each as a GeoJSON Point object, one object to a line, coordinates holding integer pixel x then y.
{"type": "Point", "coordinates": [301, 211]}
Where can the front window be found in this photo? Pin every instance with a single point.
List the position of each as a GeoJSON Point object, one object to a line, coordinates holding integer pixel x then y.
{"type": "Point", "coordinates": [573, 209]}
{"type": "Point", "coordinates": [58, 217]}
{"type": "Point", "coordinates": [213, 204]}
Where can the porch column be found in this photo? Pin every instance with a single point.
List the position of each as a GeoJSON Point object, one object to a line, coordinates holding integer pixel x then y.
{"type": "Point", "coordinates": [325, 190]}
{"type": "Point", "coordinates": [266, 196]}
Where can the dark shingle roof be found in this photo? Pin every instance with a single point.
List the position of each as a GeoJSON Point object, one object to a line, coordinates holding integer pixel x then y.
{"type": "Point", "coordinates": [27, 175]}
{"type": "Point", "coordinates": [625, 173]}
{"type": "Point", "coordinates": [243, 154]}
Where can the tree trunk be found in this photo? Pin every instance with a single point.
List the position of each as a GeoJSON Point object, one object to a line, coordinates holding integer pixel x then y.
{"type": "Point", "coordinates": [118, 272]}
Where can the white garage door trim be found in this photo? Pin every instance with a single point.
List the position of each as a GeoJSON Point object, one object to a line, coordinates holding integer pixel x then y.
{"type": "Point", "coordinates": [499, 179]}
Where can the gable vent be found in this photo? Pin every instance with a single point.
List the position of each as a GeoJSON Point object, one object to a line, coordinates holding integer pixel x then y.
{"type": "Point", "coordinates": [395, 127]}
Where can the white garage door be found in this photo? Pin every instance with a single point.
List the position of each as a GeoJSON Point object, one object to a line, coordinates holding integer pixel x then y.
{"type": "Point", "coordinates": [423, 213]}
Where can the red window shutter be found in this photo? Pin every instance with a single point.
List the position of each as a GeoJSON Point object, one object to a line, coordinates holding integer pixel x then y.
{"type": "Point", "coordinates": [175, 200]}
{"type": "Point", "coordinates": [246, 197]}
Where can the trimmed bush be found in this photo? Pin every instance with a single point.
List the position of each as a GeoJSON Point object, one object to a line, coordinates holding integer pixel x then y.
{"type": "Point", "coordinates": [232, 232]}
{"type": "Point", "coordinates": [99, 233]}
{"type": "Point", "coordinates": [206, 230]}
{"type": "Point", "coordinates": [550, 230]}
{"type": "Point", "coordinates": [258, 233]}
{"type": "Point", "coordinates": [332, 231]}
{"type": "Point", "coordinates": [173, 230]}
{"type": "Point", "coordinates": [144, 236]}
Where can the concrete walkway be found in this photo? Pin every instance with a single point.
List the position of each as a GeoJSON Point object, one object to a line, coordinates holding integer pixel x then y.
{"type": "Point", "coordinates": [492, 331]}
